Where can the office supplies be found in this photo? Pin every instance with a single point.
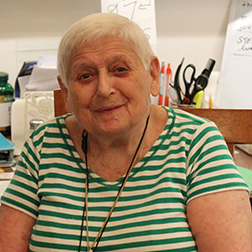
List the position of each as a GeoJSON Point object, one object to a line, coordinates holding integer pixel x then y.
{"type": "Point", "coordinates": [246, 148]}
{"type": "Point", "coordinates": [161, 83]}
{"type": "Point", "coordinates": [210, 103]}
{"type": "Point", "coordinates": [198, 98]}
{"type": "Point", "coordinates": [6, 152]}
{"type": "Point", "coordinates": [189, 84]}
{"type": "Point", "coordinates": [6, 176]}
{"type": "Point", "coordinates": [40, 75]}
{"type": "Point", "coordinates": [5, 144]}
{"type": "Point", "coordinates": [200, 82]}
{"type": "Point", "coordinates": [173, 97]}
{"type": "Point", "coordinates": [44, 75]}
{"type": "Point", "coordinates": [23, 78]}
{"type": "Point", "coordinates": [177, 81]}
{"type": "Point", "coordinates": [3, 186]}
{"type": "Point", "coordinates": [185, 99]}
{"type": "Point", "coordinates": [168, 81]}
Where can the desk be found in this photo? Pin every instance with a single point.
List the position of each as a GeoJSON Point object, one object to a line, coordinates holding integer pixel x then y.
{"type": "Point", "coordinates": [242, 159]}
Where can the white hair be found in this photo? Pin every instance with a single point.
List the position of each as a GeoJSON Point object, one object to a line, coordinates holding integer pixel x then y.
{"type": "Point", "coordinates": [96, 27]}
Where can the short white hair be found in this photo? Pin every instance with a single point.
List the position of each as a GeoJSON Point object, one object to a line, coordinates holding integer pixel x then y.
{"type": "Point", "coordinates": [96, 27]}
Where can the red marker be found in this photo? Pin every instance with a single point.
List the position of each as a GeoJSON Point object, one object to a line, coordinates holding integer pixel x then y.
{"type": "Point", "coordinates": [168, 81]}
{"type": "Point", "coordinates": [161, 84]}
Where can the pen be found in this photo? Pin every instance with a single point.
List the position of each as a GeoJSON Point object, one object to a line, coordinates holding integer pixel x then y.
{"type": "Point", "coordinates": [168, 80]}
{"type": "Point", "coordinates": [161, 84]}
{"type": "Point", "coordinates": [177, 82]}
{"type": "Point", "coordinates": [210, 101]}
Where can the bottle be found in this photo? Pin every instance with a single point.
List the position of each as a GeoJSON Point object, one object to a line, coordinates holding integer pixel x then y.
{"type": "Point", "coordinates": [6, 100]}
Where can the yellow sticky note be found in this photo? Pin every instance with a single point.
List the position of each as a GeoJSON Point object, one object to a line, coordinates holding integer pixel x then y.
{"type": "Point", "coordinates": [1, 170]}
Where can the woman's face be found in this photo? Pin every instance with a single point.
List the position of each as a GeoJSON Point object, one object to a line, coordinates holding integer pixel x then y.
{"type": "Point", "coordinates": [109, 89]}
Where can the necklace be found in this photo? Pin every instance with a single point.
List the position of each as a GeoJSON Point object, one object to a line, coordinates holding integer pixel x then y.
{"type": "Point", "coordinates": [85, 209]}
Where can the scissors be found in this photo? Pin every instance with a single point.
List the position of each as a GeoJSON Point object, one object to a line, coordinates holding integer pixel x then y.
{"type": "Point", "coordinates": [200, 82]}
{"type": "Point", "coordinates": [177, 82]}
{"type": "Point", "coordinates": [188, 84]}
{"type": "Point", "coordinates": [176, 89]}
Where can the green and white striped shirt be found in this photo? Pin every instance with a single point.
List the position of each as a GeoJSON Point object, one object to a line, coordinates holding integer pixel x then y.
{"type": "Point", "coordinates": [189, 159]}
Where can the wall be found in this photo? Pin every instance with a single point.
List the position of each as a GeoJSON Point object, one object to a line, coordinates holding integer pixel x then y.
{"type": "Point", "coordinates": [194, 29]}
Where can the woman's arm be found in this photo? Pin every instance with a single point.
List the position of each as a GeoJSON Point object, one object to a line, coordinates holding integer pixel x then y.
{"type": "Point", "coordinates": [221, 222]}
{"type": "Point", "coordinates": [15, 230]}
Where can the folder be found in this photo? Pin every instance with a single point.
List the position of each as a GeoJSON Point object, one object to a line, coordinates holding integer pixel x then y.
{"type": "Point", "coordinates": [6, 152]}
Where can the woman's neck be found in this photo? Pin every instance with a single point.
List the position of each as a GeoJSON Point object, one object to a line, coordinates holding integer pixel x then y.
{"type": "Point", "coordinates": [109, 157]}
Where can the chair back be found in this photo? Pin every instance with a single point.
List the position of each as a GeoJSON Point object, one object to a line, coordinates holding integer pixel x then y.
{"type": "Point", "coordinates": [59, 103]}
{"type": "Point", "coordinates": [234, 124]}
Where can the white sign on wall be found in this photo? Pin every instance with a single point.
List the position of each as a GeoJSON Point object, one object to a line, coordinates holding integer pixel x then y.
{"type": "Point", "coordinates": [235, 83]}
{"type": "Point", "coordinates": [141, 12]}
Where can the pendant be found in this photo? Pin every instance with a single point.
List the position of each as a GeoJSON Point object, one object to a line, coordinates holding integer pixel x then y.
{"type": "Point", "coordinates": [89, 250]}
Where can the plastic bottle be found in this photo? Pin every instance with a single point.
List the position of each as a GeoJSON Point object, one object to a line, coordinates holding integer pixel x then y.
{"type": "Point", "coordinates": [6, 100]}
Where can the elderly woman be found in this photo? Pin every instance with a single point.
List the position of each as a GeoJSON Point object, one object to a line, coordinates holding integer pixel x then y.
{"type": "Point", "coordinates": [117, 173]}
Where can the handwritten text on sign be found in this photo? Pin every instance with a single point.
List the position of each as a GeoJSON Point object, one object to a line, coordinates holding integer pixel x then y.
{"type": "Point", "coordinates": [235, 84]}
{"type": "Point", "coordinates": [141, 12]}
{"type": "Point", "coordinates": [243, 26]}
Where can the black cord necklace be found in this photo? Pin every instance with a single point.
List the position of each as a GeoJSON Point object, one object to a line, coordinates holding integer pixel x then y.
{"type": "Point", "coordinates": [85, 208]}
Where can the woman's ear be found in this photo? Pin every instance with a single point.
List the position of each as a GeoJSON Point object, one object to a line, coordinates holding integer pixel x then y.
{"type": "Point", "coordinates": [64, 91]}
{"type": "Point", "coordinates": [62, 87]}
{"type": "Point", "coordinates": [154, 72]}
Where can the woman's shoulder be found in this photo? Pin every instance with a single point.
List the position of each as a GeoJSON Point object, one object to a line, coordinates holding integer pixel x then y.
{"type": "Point", "coordinates": [183, 116]}
{"type": "Point", "coordinates": [177, 121]}
{"type": "Point", "coordinates": [183, 124]}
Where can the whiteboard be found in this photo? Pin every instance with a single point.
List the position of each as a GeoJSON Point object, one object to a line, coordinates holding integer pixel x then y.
{"type": "Point", "coordinates": [235, 84]}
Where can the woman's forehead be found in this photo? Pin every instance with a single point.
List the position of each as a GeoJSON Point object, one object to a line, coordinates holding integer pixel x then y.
{"type": "Point", "coordinates": [112, 50]}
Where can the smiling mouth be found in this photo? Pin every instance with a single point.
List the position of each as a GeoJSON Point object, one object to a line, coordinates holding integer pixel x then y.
{"type": "Point", "coordinates": [108, 109]}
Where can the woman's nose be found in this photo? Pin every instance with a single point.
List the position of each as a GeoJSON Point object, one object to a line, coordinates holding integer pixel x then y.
{"type": "Point", "coordinates": [105, 86]}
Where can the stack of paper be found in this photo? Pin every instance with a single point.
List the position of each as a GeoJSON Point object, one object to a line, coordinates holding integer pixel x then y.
{"type": "Point", "coordinates": [3, 186]}
{"type": "Point", "coordinates": [42, 77]}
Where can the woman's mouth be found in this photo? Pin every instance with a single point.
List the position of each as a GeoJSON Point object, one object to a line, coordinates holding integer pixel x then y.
{"type": "Point", "coordinates": [108, 109]}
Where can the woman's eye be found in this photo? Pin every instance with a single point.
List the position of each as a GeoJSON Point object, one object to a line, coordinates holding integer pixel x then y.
{"type": "Point", "coordinates": [121, 69]}
{"type": "Point", "coordinates": [85, 76]}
